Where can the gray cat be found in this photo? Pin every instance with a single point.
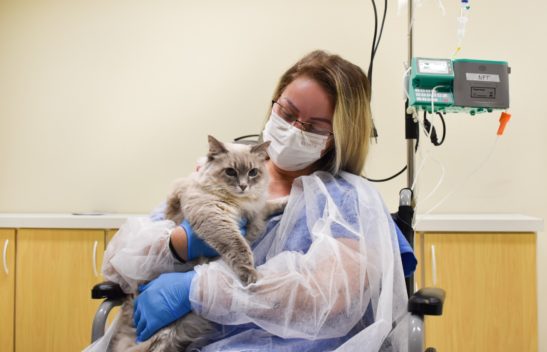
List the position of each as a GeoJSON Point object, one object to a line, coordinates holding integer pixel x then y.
{"type": "Point", "coordinates": [231, 185]}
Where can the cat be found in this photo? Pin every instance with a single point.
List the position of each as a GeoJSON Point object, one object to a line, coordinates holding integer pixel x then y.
{"type": "Point", "coordinates": [230, 185]}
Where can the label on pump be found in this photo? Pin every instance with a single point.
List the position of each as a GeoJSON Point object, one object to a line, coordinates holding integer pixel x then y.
{"type": "Point", "coordinates": [482, 77]}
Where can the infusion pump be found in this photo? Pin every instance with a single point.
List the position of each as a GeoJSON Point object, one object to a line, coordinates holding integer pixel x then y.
{"type": "Point", "coordinates": [461, 85]}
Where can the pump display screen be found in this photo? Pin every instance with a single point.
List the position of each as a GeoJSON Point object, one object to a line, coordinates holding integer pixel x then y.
{"type": "Point", "coordinates": [434, 66]}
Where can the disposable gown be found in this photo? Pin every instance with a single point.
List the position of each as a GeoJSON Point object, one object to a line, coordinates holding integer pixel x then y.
{"type": "Point", "coordinates": [330, 274]}
{"type": "Point", "coordinates": [330, 277]}
{"type": "Point", "coordinates": [138, 253]}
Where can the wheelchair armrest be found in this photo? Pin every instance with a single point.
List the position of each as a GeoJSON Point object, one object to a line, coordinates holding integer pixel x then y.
{"type": "Point", "coordinates": [114, 296]}
{"type": "Point", "coordinates": [427, 301]}
{"type": "Point", "coordinates": [108, 290]}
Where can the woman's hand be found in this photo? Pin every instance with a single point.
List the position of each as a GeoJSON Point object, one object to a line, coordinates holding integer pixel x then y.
{"type": "Point", "coordinates": [190, 246]}
{"type": "Point", "coordinates": [161, 302]}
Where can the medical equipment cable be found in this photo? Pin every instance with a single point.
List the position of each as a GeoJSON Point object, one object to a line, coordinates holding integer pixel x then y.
{"type": "Point", "coordinates": [405, 75]}
{"type": "Point", "coordinates": [375, 45]}
{"type": "Point", "coordinates": [441, 117]}
{"type": "Point", "coordinates": [428, 132]}
{"type": "Point", "coordinates": [381, 27]}
{"type": "Point", "coordinates": [398, 173]}
{"type": "Point", "coordinates": [433, 132]}
{"type": "Point", "coordinates": [246, 137]}
{"type": "Point", "coordinates": [432, 136]}
{"type": "Point", "coordinates": [374, 48]}
{"type": "Point", "coordinates": [376, 37]}
{"type": "Point", "coordinates": [388, 178]}
{"type": "Point", "coordinates": [372, 52]}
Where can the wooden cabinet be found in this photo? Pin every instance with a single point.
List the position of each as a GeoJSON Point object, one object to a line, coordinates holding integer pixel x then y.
{"type": "Point", "coordinates": [490, 284]}
{"type": "Point", "coordinates": [7, 288]}
{"type": "Point", "coordinates": [109, 235]}
{"type": "Point", "coordinates": [55, 272]}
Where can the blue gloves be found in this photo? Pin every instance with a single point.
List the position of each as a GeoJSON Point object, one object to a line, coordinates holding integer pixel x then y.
{"type": "Point", "coordinates": [166, 299]}
{"type": "Point", "coordinates": [197, 247]}
{"type": "Point", "coordinates": [161, 302]}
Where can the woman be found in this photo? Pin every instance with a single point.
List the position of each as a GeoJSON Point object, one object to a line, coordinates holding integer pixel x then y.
{"type": "Point", "coordinates": [330, 274]}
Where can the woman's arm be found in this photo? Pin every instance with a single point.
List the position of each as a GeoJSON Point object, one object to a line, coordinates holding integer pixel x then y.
{"type": "Point", "coordinates": [179, 242]}
{"type": "Point", "coordinates": [322, 293]}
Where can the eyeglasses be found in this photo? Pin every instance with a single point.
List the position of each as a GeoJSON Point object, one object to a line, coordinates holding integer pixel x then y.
{"type": "Point", "coordinates": [291, 117]}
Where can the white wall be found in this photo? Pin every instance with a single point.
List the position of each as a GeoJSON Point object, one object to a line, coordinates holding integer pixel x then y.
{"type": "Point", "coordinates": [103, 103]}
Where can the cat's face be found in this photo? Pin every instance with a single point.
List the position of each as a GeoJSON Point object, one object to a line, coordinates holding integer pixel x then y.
{"type": "Point", "coordinates": [237, 168]}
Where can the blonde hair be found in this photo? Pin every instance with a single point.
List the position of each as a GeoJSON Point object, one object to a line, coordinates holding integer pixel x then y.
{"type": "Point", "coordinates": [349, 91]}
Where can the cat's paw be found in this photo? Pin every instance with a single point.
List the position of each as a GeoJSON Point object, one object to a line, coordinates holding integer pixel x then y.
{"type": "Point", "coordinates": [247, 275]}
{"type": "Point", "coordinates": [253, 233]}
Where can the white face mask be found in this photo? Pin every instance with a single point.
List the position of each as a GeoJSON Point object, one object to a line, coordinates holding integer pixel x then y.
{"type": "Point", "coordinates": [292, 149]}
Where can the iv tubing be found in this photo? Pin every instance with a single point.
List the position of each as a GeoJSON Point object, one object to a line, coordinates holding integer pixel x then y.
{"type": "Point", "coordinates": [464, 181]}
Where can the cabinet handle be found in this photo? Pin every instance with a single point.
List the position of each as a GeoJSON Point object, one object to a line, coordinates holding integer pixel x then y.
{"type": "Point", "coordinates": [94, 263]}
{"type": "Point", "coordinates": [5, 256]}
{"type": "Point", "coordinates": [433, 266]}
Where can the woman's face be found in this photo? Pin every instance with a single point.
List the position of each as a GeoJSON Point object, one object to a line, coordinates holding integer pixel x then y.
{"type": "Point", "coordinates": [309, 103]}
{"type": "Point", "coordinates": [307, 106]}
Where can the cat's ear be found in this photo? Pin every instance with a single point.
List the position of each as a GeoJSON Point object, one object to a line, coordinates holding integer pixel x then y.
{"type": "Point", "coordinates": [215, 147]}
{"type": "Point", "coordinates": [261, 149]}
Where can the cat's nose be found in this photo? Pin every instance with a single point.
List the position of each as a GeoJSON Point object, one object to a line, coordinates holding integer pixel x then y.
{"type": "Point", "coordinates": [243, 187]}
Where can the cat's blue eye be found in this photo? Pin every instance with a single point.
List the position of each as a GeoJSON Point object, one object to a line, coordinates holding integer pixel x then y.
{"type": "Point", "coordinates": [253, 172]}
{"type": "Point", "coordinates": [230, 172]}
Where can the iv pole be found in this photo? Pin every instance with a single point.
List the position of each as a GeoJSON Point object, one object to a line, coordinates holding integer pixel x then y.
{"type": "Point", "coordinates": [407, 203]}
{"type": "Point", "coordinates": [410, 135]}
{"type": "Point", "coordinates": [406, 197]}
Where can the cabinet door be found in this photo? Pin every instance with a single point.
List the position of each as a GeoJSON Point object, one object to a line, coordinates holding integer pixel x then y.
{"type": "Point", "coordinates": [490, 284]}
{"type": "Point", "coordinates": [56, 270]}
{"type": "Point", "coordinates": [7, 288]}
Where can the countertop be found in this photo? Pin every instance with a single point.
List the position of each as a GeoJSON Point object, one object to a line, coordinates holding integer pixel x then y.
{"type": "Point", "coordinates": [478, 223]}
{"type": "Point", "coordinates": [64, 220]}
{"type": "Point", "coordinates": [430, 222]}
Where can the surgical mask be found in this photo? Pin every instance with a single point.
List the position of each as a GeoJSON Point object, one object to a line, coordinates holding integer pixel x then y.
{"type": "Point", "coordinates": [292, 149]}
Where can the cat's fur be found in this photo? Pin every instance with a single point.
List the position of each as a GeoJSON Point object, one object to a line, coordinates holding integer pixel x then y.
{"type": "Point", "coordinates": [231, 185]}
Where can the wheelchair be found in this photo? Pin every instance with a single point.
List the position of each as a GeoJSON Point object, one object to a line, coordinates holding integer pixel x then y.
{"type": "Point", "coordinates": [426, 301]}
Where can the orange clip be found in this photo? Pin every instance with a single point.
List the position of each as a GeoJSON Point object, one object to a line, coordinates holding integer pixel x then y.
{"type": "Point", "coordinates": [504, 118]}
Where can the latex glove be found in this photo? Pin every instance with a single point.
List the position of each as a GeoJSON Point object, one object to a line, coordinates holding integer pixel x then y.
{"type": "Point", "coordinates": [161, 302]}
{"type": "Point", "coordinates": [197, 247]}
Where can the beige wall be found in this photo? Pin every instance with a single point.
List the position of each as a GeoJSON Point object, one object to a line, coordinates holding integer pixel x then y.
{"type": "Point", "coordinates": [103, 103]}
